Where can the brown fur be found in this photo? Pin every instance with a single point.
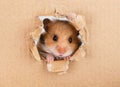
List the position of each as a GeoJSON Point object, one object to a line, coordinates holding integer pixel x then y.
{"type": "Point", "coordinates": [64, 30]}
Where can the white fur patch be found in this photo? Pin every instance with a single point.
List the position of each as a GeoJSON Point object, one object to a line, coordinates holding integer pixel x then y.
{"type": "Point", "coordinates": [43, 30]}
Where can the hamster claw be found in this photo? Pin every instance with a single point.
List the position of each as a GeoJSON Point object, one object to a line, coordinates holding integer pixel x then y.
{"type": "Point", "coordinates": [67, 58]}
{"type": "Point", "coordinates": [50, 58]}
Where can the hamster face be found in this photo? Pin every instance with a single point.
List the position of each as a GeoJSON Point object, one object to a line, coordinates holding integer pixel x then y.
{"type": "Point", "coordinates": [61, 38]}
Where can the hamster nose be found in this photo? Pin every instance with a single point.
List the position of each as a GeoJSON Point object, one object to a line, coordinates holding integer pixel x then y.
{"type": "Point", "coordinates": [61, 50]}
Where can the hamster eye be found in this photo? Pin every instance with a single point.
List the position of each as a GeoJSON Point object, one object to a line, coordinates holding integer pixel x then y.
{"type": "Point", "coordinates": [70, 39]}
{"type": "Point", "coordinates": [55, 38]}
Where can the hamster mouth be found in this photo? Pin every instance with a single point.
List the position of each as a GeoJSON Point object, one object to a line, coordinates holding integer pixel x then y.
{"type": "Point", "coordinates": [60, 57]}
{"type": "Point", "coordinates": [67, 54]}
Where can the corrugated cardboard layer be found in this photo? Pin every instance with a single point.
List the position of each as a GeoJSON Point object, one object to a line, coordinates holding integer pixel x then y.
{"type": "Point", "coordinates": [101, 67]}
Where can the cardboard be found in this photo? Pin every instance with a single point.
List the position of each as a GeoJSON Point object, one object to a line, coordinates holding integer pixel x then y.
{"type": "Point", "coordinates": [99, 68]}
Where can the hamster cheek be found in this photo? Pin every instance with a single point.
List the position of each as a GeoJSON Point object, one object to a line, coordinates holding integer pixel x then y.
{"type": "Point", "coordinates": [51, 46]}
{"type": "Point", "coordinates": [50, 43]}
{"type": "Point", "coordinates": [73, 47]}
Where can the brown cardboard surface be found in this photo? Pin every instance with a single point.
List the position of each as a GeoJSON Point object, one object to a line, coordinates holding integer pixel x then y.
{"type": "Point", "coordinates": [101, 67]}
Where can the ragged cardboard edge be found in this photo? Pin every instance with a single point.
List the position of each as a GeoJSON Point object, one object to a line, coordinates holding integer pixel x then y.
{"type": "Point", "coordinates": [35, 36]}
{"type": "Point", "coordinates": [58, 66]}
{"type": "Point", "coordinates": [51, 18]}
{"type": "Point", "coordinates": [80, 24]}
{"type": "Point", "coordinates": [35, 53]}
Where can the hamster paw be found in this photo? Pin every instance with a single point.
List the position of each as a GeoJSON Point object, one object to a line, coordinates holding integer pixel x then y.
{"type": "Point", "coordinates": [67, 58]}
{"type": "Point", "coordinates": [50, 58]}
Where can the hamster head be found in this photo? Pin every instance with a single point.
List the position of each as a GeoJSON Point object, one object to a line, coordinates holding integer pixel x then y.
{"type": "Point", "coordinates": [60, 38]}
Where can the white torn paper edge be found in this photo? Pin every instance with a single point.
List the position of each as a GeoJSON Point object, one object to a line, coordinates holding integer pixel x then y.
{"type": "Point", "coordinates": [51, 18]}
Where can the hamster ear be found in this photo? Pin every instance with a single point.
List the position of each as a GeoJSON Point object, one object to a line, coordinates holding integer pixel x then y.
{"type": "Point", "coordinates": [46, 21]}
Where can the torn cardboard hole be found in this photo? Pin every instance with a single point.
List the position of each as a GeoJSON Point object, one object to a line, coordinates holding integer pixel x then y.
{"type": "Point", "coordinates": [62, 65]}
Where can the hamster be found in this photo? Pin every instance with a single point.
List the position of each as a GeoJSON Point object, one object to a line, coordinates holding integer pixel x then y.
{"type": "Point", "coordinates": [59, 41]}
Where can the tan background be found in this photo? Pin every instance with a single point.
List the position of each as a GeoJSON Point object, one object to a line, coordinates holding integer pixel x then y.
{"type": "Point", "coordinates": [101, 67]}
